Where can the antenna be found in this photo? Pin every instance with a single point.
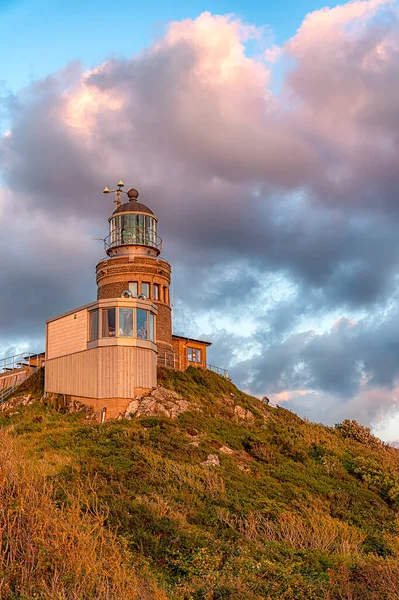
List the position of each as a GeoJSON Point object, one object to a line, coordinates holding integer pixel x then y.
{"type": "Point", "coordinates": [118, 191]}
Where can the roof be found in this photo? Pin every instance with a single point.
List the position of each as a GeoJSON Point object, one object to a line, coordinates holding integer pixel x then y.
{"type": "Point", "coordinates": [132, 206]}
{"type": "Point", "coordinates": [187, 339]}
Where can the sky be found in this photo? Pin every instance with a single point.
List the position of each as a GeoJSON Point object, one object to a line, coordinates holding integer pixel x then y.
{"type": "Point", "coordinates": [265, 136]}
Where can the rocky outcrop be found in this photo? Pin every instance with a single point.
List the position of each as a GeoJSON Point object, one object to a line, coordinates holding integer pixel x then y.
{"type": "Point", "coordinates": [226, 450]}
{"type": "Point", "coordinates": [211, 461]}
{"type": "Point", "coordinates": [17, 402]}
{"type": "Point", "coordinates": [243, 414]}
{"type": "Point", "coordinates": [159, 401]}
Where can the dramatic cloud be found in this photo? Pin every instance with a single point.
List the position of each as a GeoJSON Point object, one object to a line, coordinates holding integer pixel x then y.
{"type": "Point", "coordinates": [278, 208]}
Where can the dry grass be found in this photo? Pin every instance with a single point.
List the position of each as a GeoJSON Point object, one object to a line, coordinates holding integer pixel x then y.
{"type": "Point", "coordinates": [311, 529]}
{"type": "Point", "coordinates": [57, 552]}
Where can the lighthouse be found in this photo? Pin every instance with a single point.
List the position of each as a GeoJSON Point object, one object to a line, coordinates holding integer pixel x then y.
{"type": "Point", "coordinates": [107, 352]}
{"type": "Point", "coordinates": [134, 263]}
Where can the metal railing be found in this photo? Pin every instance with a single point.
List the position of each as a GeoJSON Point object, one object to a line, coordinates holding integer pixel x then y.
{"type": "Point", "coordinates": [24, 359]}
{"type": "Point", "coordinates": [179, 362]}
{"type": "Point", "coordinates": [133, 237]}
{"type": "Point", "coordinates": [14, 370]}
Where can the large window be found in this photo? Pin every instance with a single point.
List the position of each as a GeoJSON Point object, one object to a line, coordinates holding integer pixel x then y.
{"type": "Point", "coordinates": [108, 322]}
{"type": "Point", "coordinates": [194, 354]}
{"type": "Point", "coordinates": [126, 322]}
{"type": "Point", "coordinates": [93, 325]}
{"type": "Point", "coordinates": [141, 324]}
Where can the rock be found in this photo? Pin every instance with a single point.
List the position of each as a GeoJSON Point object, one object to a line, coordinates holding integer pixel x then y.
{"type": "Point", "coordinates": [159, 401]}
{"type": "Point", "coordinates": [244, 468]}
{"type": "Point", "coordinates": [17, 401]}
{"type": "Point", "coordinates": [226, 450]}
{"type": "Point", "coordinates": [211, 461]}
{"type": "Point", "coordinates": [242, 414]}
{"type": "Point", "coordinates": [192, 432]}
{"type": "Point", "coordinates": [195, 444]}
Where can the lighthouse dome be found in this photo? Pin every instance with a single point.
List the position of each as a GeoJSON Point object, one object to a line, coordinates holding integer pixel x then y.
{"type": "Point", "coordinates": [134, 226]}
{"type": "Point", "coordinates": [132, 206]}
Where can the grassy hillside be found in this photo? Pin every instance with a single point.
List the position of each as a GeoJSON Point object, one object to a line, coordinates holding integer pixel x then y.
{"type": "Point", "coordinates": [230, 500]}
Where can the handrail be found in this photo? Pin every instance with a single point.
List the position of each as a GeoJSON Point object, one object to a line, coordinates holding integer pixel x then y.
{"type": "Point", "coordinates": [11, 363]}
{"type": "Point", "coordinates": [133, 237]}
{"type": "Point", "coordinates": [179, 362]}
{"type": "Point", "coordinates": [7, 392]}
{"type": "Point", "coordinates": [17, 369]}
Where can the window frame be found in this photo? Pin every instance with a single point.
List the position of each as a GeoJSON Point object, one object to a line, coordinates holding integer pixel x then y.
{"type": "Point", "coordinates": [134, 283]}
{"type": "Point", "coordinates": [96, 323]}
{"type": "Point", "coordinates": [101, 323]}
{"type": "Point", "coordinates": [149, 289]}
{"type": "Point", "coordinates": [194, 352]}
{"type": "Point", "coordinates": [132, 309]}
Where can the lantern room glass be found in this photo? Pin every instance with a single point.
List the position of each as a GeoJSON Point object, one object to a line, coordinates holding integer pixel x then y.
{"type": "Point", "coordinates": [131, 228]}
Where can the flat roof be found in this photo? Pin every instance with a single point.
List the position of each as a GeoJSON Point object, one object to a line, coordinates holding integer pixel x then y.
{"type": "Point", "coordinates": [188, 339]}
{"type": "Point", "coordinates": [114, 302]}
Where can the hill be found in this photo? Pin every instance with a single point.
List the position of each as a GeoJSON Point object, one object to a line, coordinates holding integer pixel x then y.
{"type": "Point", "coordinates": [206, 493]}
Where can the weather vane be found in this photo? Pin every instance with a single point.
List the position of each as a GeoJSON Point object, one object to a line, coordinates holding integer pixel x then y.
{"type": "Point", "coordinates": [131, 194]}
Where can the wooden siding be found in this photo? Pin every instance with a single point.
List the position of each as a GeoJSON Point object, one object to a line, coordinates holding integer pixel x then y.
{"type": "Point", "coordinates": [180, 347]}
{"type": "Point", "coordinates": [104, 372]}
{"type": "Point", "coordinates": [67, 335]}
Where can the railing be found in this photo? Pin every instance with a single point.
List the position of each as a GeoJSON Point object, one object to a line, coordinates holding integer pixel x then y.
{"type": "Point", "coordinates": [14, 370]}
{"type": "Point", "coordinates": [179, 362]}
{"type": "Point", "coordinates": [133, 237]}
{"type": "Point", "coordinates": [25, 359]}
{"type": "Point", "coordinates": [7, 392]}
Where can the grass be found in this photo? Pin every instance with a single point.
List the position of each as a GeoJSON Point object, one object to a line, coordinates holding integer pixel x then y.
{"type": "Point", "coordinates": [295, 511]}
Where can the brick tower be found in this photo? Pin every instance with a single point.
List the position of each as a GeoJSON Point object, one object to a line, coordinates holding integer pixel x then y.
{"type": "Point", "coordinates": [134, 263]}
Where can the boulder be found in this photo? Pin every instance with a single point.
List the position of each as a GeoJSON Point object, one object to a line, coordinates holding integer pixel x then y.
{"type": "Point", "coordinates": [242, 414]}
{"type": "Point", "coordinates": [211, 461]}
{"type": "Point", "coordinates": [159, 401]}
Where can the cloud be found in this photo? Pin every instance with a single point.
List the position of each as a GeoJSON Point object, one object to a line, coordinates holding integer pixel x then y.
{"type": "Point", "coordinates": [276, 208]}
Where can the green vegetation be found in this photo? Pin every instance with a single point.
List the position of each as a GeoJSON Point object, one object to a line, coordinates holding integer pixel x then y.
{"type": "Point", "coordinates": [294, 511]}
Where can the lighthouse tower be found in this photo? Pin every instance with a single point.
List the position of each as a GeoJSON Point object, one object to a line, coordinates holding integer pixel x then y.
{"type": "Point", "coordinates": [134, 263]}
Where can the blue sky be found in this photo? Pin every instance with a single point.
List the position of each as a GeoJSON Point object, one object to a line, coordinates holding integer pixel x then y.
{"type": "Point", "coordinates": [38, 37]}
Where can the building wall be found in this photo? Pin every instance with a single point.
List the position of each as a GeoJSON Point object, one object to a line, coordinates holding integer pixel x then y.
{"type": "Point", "coordinates": [104, 373]}
{"type": "Point", "coordinates": [180, 348]}
{"type": "Point", "coordinates": [114, 275]}
{"type": "Point", "coordinates": [67, 335]}
{"type": "Point", "coordinates": [113, 406]}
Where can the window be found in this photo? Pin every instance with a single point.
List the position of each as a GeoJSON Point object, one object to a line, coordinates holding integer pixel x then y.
{"type": "Point", "coordinates": [108, 322]}
{"type": "Point", "coordinates": [156, 291]}
{"type": "Point", "coordinates": [166, 295]}
{"type": "Point", "coordinates": [141, 324]}
{"type": "Point", "coordinates": [126, 322]}
{"type": "Point", "coordinates": [194, 355]}
{"type": "Point", "coordinates": [93, 325]}
{"type": "Point", "coordinates": [133, 288]}
{"type": "Point", "coordinates": [152, 333]}
{"type": "Point", "coordinates": [145, 289]}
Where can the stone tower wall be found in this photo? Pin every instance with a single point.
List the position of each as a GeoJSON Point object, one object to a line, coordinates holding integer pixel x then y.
{"type": "Point", "coordinates": [115, 273]}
